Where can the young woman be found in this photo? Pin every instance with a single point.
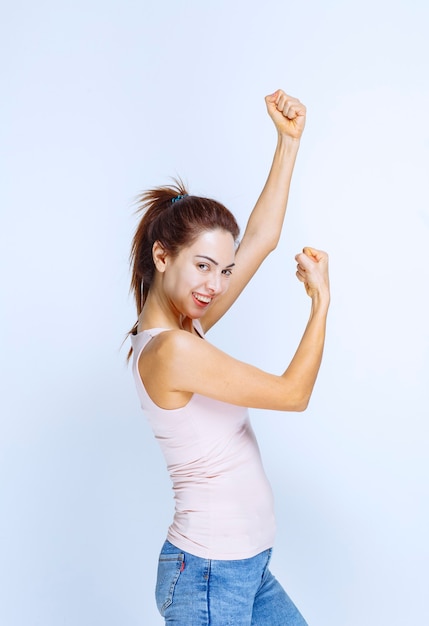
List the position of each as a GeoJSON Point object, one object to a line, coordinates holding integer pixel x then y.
{"type": "Point", "coordinates": [186, 273]}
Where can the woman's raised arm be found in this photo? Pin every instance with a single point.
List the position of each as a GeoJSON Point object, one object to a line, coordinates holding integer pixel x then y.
{"type": "Point", "coordinates": [266, 220]}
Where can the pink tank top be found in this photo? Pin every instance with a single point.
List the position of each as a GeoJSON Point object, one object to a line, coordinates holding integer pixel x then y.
{"type": "Point", "coordinates": [223, 501]}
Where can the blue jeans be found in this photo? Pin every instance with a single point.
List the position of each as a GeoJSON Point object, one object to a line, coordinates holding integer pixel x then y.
{"type": "Point", "coordinates": [191, 591]}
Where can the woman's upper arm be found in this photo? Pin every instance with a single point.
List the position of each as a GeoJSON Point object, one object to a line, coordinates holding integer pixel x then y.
{"type": "Point", "coordinates": [208, 371]}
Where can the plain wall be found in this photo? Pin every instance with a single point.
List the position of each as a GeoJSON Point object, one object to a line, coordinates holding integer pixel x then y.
{"type": "Point", "coordinates": [104, 99]}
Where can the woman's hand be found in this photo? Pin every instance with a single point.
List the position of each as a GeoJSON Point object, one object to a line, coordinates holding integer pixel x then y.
{"type": "Point", "coordinates": [312, 270]}
{"type": "Point", "coordinates": [287, 113]}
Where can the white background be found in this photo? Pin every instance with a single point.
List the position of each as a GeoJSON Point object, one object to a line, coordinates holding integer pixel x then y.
{"type": "Point", "coordinates": [101, 100]}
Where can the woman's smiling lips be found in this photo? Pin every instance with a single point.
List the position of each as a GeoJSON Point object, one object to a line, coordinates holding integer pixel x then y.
{"type": "Point", "coordinates": [201, 299]}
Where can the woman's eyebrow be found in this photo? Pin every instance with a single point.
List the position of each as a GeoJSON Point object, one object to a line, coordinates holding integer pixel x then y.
{"type": "Point", "coordinates": [202, 256]}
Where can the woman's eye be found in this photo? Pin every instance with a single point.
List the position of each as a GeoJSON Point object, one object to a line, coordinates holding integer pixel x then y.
{"type": "Point", "coordinates": [203, 267]}
{"type": "Point", "coordinates": [227, 272]}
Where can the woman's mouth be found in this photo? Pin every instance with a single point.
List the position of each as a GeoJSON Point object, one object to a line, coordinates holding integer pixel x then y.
{"type": "Point", "coordinates": [201, 299]}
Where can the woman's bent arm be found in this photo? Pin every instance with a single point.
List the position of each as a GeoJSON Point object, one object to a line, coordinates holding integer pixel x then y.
{"type": "Point", "coordinates": [177, 364]}
{"type": "Point", "coordinates": [266, 220]}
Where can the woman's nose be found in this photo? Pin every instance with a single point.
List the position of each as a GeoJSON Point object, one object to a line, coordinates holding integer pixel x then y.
{"type": "Point", "coordinates": [214, 283]}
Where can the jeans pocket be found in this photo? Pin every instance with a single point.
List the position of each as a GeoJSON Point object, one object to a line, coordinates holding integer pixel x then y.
{"type": "Point", "coordinates": [169, 568]}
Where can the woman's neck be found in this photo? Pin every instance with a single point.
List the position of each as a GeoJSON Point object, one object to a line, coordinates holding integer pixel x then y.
{"type": "Point", "coordinates": [156, 314]}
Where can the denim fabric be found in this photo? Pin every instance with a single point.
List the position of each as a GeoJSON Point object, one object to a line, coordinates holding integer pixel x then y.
{"type": "Point", "coordinates": [191, 591]}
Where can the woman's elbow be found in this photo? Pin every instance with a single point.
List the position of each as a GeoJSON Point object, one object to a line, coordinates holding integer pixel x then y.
{"type": "Point", "coordinates": [302, 406]}
{"type": "Point", "coordinates": [296, 407]}
{"type": "Point", "coordinates": [293, 396]}
{"type": "Point", "coordinates": [299, 404]}
{"type": "Point", "coordinates": [271, 244]}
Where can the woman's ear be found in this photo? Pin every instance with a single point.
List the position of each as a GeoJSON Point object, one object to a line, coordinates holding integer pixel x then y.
{"type": "Point", "coordinates": [159, 255]}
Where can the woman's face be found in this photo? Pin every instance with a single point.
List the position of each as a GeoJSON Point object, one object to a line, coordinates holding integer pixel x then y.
{"type": "Point", "coordinates": [200, 273]}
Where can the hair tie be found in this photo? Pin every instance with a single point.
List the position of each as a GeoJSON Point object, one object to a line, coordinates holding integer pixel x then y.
{"type": "Point", "coordinates": [179, 197]}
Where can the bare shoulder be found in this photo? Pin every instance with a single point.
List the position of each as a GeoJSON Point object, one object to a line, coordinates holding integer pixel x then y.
{"type": "Point", "coordinates": [161, 362]}
{"type": "Point", "coordinates": [177, 358]}
{"type": "Point", "coordinates": [171, 344]}
{"type": "Point", "coordinates": [162, 349]}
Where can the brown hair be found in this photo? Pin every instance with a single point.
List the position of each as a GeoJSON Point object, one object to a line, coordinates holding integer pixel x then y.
{"type": "Point", "coordinates": [175, 219]}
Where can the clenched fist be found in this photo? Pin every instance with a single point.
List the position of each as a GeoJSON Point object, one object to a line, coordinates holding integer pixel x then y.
{"type": "Point", "coordinates": [287, 113]}
{"type": "Point", "coordinates": [312, 270]}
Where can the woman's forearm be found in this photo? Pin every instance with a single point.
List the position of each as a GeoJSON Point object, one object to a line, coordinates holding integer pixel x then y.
{"type": "Point", "coordinates": [300, 376]}
{"type": "Point", "coordinates": [302, 371]}
{"type": "Point", "coordinates": [266, 220]}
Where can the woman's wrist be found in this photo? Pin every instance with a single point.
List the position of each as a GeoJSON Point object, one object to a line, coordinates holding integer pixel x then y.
{"type": "Point", "coordinates": [320, 301]}
{"type": "Point", "coordinates": [287, 141]}
{"type": "Point", "coordinates": [287, 147]}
